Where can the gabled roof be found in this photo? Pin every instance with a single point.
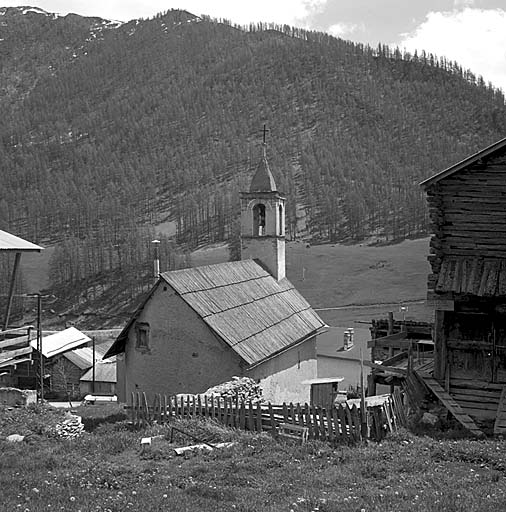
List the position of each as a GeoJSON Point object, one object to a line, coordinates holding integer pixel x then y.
{"type": "Point", "coordinates": [496, 147]}
{"type": "Point", "coordinates": [243, 305]}
{"type": "Point", "coordinates": [13, 243]}
{"type": "Point", "coordinates": [61, 342]}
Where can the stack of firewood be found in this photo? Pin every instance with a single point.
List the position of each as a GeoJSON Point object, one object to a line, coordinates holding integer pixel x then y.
{"type": "Point", "coordinates": [244, 387]}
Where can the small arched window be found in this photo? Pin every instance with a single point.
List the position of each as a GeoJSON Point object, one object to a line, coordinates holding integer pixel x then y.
{"type": "Point", "coordinates": [259, 220]}
{"type": "Point", "coordinates": [281, 220]}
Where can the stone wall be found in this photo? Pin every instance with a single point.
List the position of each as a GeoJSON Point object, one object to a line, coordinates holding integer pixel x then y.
{"type": "Point", "coordinates": [20, 397]}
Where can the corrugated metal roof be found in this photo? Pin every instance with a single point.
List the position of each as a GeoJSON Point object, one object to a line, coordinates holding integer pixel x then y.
{"type": "Point", "coordinates": [245, 306]}
{"type": "Point", "coordinates": [105, 371]}
{"type": "Point", "coordinates": [61, 342]}
{"type": "Point", "coordinates": [483, 277]}
{"type": "Point", "coordinates": [10, 242]}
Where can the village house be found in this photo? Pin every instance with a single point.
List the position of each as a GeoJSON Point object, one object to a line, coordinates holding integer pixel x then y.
{"type": "Point", "coordinates": [201, 326]}
{"type": "Point", "coordinates": [468, 285]}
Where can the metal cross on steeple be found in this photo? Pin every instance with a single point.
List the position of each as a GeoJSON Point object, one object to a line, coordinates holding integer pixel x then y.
{"type": "Point", "coordinates": [264, 143]}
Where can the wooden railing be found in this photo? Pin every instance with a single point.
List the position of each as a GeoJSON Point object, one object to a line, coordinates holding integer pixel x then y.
{"type": "Point", "coordinates": [339, 423]}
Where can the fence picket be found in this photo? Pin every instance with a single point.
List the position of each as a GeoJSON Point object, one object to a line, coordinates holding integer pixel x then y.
{"type": "Point", "coordinates": [330, 428]}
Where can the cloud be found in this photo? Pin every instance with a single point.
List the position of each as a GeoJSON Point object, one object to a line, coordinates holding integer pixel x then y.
{"type": "Point", "coordinates": [459, 4]}
{"type": "Point", "coordinates": [345, 30]}
{"type": "Point", "coordinates": [475, 38]}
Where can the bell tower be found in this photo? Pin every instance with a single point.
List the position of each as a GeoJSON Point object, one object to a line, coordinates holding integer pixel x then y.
{"type": "Point", "coordinates": [263, 220]}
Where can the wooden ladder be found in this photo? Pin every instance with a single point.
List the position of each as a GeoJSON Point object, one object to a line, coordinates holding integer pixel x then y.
{"type": "Point", "coordinates": [446, 399]}
{"type": "Point", "coordinates": [500, 419]}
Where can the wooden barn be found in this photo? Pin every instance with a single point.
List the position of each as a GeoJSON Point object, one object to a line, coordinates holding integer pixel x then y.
{"type": "Point", "coordinates": [468, 283]}
{"type": "Point", "coordinates": [201, 326]}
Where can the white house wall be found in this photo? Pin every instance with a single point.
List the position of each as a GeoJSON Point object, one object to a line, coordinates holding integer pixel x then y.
{"type": "Point", "coordinates": [281, 377]}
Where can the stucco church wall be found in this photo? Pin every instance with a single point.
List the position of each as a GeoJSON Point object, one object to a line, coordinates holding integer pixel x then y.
{"type": "Point", "coordinates": [281, 377]}
{"type": "Point", "coordinates": [183, 356]}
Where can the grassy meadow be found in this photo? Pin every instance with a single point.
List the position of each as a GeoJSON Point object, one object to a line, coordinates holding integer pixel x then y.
{"type": "Point", "coordinates": [105, 470]}
{"type": "Point", "coordinates": [353, 283]}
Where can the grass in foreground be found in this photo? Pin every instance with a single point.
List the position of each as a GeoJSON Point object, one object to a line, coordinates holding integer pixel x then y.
{"type": "Point", "coordinates": [105, 470]}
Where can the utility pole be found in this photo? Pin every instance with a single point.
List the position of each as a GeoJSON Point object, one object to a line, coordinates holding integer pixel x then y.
{"type": "Point", "coordinates": [156, 260]}
{"type": "Point", "coordinates": [93, 371]}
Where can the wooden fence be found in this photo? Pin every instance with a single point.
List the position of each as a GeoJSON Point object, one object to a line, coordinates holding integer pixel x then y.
{"type": "Point", "coordinates": [340, 423]}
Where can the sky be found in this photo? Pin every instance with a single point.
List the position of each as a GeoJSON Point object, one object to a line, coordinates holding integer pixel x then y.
{"type": "Point", "coordinates": [472, 32]}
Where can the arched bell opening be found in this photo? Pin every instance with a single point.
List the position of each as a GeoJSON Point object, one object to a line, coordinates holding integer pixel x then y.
{"type": "Point", "coordinates": [259, 220]}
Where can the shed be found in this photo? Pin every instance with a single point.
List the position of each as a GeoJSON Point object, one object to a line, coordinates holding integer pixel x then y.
{"type": "Point", "coordinates": [102, 381]}
{"type": "Point", "coordinates": [467, 286]}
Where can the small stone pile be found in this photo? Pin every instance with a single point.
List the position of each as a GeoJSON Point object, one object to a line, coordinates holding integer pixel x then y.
{"type": "Point", "coordinates": [69, 428]}
{"type": "Point", "coordinates": [246, 388]}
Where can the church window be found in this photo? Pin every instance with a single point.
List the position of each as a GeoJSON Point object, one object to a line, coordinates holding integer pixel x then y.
{"type": "Point", "coordinates": [281, 221]}
{"type": "Point", "coordinates": [259, 220]}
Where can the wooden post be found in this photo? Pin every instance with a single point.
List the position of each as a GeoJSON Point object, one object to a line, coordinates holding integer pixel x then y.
{"type": "Point", "coordinates": [285, 413]}
{"type": "Point", "coordinates": [390, 331]}
{"type": "Point", "coordinates": [355, 414]}
{"type": "Point", "coordinates": [206, 409]}
{"type": "Point", "coordinates": [181, 411]}
{"type": "Point", "coordinates": [271, 416]}
{"type": "Point", "coordinates": [330, 428]}
{"type": "Point", "coordinates": [242, 415]}
{"type": "Point", "coordinates": [337, 431]}
{"type": "Point", "coordinates": [225, 411]}
{"type": "Point", "coordinates": [440, 352]}
{"type": "Point", "coordinates": [218, 408]}
{"type": "Point", "coordinates": [251, 422]}
{"type": "Point", "coordinates": [346, 432]}
{"type": "Point", "coordinates": [309, 421]}
{"type": "Point", "coordinates": [259, 417]}
{"type": "Point", "coordinates": [300, 416]}
{"type": "Point", "coordinates": [146, 407]}
{"type": "Point", "coordinates": [165, 408]}
{"type": "Point", "coordinates": [323, 433]}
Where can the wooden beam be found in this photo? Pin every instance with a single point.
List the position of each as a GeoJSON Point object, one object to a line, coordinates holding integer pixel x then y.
{"type": "Point", "coordinates": [382, 367]}
{"type": "Point", "coordinates": [452, 406]}
{"type": "Point", "coordinates": [11, 289]}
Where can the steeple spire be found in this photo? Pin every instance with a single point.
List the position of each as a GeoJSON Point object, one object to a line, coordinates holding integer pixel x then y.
{"type": "Point", "coordinates": [263, 180]}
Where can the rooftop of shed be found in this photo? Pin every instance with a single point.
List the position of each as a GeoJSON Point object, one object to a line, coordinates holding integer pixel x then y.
{"type": "Point", "coordinates": [481, 156]}
{"type": "Point", "coordinates": [9, 242]}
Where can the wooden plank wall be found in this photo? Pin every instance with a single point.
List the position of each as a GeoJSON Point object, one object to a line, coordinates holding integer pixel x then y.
{"type": "Point", "coordinates": [467, 214]}
{"type": "Point", "coordinates": [332, 425]}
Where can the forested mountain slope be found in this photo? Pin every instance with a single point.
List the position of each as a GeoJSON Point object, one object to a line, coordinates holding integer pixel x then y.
{"type": "Point", "coordinates": [108, 129]}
